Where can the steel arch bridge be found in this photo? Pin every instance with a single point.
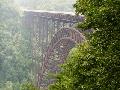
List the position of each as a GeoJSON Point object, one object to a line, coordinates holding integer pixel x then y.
{"type": "Point", "coordinates": [52, 36]}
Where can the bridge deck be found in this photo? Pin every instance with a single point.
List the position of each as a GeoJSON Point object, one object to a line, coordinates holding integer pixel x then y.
{"type": "Point", "coordinates": [66, 17]}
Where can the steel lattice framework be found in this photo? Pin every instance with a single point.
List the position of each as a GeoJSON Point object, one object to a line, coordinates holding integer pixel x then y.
{"type": "Point", "coordinates": [52, 36]}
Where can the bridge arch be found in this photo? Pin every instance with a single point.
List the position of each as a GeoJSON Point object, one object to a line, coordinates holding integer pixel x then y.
{"type": "Point", "coordinates": [57, 51]}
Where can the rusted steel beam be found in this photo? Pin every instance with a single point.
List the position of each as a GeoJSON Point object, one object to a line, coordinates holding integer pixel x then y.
{"type": "Point", "coordinates": [67, 17]}
{"type": "Point", "coordinates": [52, 37]}
{"type": "Point", "coordinates": [64, 37]}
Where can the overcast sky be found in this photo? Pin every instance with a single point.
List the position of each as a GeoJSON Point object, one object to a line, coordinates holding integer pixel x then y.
{"type": "Point", "coordinates": [51, 5]}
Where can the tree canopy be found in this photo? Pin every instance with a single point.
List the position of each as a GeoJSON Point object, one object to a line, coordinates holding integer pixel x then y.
{"type": "Point", "coordinates": [15, 60]}
{"type": "Point", "coordinates": [95, 64]}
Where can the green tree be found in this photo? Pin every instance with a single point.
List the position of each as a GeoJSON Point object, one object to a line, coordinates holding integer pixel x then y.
{"type": "Point", "coordinates": [28, 86]}
{"type": "Point", "coordinates": [94, 65]}
{"type": "Point", "coordinates": [15, 55]}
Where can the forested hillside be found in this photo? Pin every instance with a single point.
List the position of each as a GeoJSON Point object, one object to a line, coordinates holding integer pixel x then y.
{"type": "Point", "coordinates": [91, 65]}
{"type": "Point", "coordinates": [15, 46]}
{"type": "Point", "coordinates": [15, 50]}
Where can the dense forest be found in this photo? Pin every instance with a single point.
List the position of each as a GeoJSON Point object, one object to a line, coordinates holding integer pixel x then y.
{"type": "Point", "coordinates": [95, 64]}
{"type": "Point", "coordinates": [15, 52]}
{"type": "Point", "coordinates": [92, 65]}
{"type": "Point", "coordinates": [15, 46]}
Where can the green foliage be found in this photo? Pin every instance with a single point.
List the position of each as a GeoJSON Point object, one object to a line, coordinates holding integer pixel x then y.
{"type": "Point", "coordinates": [15, 60]}
{"type": "Point", "coordinates": [94, 65]}
{"type": "Point", "coordinates": [8, 86]}
{"type": "Point", "coordinates": [28, 86]}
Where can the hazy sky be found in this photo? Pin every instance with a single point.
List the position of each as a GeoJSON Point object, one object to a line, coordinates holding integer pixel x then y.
{"type": "Point", "coordinates": [52, 5]}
